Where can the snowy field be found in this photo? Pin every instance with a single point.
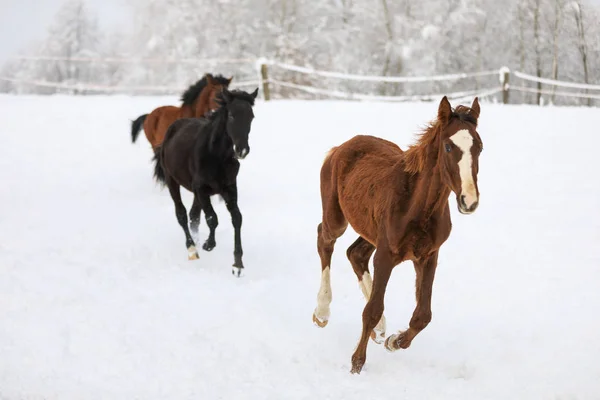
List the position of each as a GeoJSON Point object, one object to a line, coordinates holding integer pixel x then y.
{"type": "Point", "coordinates": [99, 301]}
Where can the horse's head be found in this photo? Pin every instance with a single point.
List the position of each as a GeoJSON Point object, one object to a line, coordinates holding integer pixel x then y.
{"type": "Point", "coordinates": [459, 150]}
{"type": "Point", "coordinates": [239, 118]}
{"type": "Point", "coordinates": [214, 86]}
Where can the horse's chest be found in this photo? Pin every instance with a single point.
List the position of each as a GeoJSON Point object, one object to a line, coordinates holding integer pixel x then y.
{"type": "Point", "coordinates": [424, 237]}
{"type": "Point", "coordinates": [218, 175]}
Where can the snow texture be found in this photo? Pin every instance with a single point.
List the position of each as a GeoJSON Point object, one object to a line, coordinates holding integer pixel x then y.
{"type": "Point", "coordinates": [99, 301]}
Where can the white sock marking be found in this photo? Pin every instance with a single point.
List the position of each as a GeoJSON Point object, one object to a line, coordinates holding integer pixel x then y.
{"type": "Point", "coordinates": [322, 311]}
{"type": "Point", "coordinates": [464, 141]}
{"type": "Point", "coordinates": [366, 285]}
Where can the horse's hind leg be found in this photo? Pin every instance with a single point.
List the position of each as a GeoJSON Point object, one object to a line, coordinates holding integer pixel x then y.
{"type": "Point", "coordinates": [211, 219]}
{"type": "Point", "coordinates": [359, 253]}
{"type": "Point", "coordinates": [195, 216]}
{"type": "Point", "coordinates": [333, 226]}
{"type": "Point", "coordinates": [181, 213]}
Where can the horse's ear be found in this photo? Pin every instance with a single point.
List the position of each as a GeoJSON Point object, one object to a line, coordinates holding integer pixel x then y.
{"type": "Point", "coordinates": [444, 110]}
{"type": "Point", "coordinates": [475, 108]}
{"type": "Point", "coordinates": [209, 79]}
{"type": "Point", "coordinates": [229, 80]}
{"type": "Point", "coordinates": [254, 94]}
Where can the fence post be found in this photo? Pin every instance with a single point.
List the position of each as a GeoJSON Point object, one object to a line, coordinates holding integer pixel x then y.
{"type": "Point", "coordinates": [263, 77]}
{"type": "Point", "coordinates": [504, 80]}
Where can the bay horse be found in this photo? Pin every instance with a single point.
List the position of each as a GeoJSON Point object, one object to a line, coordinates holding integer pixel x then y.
{"type": "Point", "coordinates": [197, 100]}
{"type": "Point", "coordinates": [201, 154]}
{"type": "Point", "coordinates": [397, 201]}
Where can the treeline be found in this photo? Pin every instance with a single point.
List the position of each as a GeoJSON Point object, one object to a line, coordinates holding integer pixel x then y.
{"type": "Point", "coordinates": [555, 39]}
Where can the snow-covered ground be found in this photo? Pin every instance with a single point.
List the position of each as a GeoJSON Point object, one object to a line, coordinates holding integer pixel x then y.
{"type": "Point", "coordinates": [99, 301]}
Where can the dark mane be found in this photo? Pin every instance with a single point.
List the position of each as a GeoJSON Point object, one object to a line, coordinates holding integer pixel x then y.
{"type": "Point", "coordinates": [221, 112]}
{"type": "Point", "coordinates": [416, 155]}
{"type": "Point", "coordinates": [192, 92]}
{"type": "Point", "coordinates": [236, 94]}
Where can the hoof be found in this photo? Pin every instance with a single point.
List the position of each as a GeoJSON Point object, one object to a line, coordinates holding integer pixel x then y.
{"type": "Point", "coordinates": [318, 322]}
{"type": "Point", "coordinates": [387, 344]}
{"type": "Point", "coordinates": [377, 336]}
{"type": "Point", "coordinates": [394, 342]}
{"type": "Point", "coordinates": [356, 369]}
{"type": "Point", "coordinates": [237, 271]}
{"type": "Point", "coordinates": [357, 365]}
{"type": "Point", "coordinates": [192, 253]}
{"type": "Point", "coordinates": [207, 246]}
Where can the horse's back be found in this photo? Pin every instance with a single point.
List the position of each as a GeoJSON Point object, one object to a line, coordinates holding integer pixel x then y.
{"type": "Point", "coordinates": [158, 121]}
{"type": "Point", "coordinates": [177, 148]}
{"type": "Point", "coordinates": [364, 149]}
{"type": "Point", "coordinates": [184, 130]}
{"type": "Point", "coordinates": [357, 175]}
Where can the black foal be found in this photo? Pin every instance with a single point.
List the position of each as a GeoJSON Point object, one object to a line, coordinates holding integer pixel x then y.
{"type": "Point", "coordinates": [201, 154]}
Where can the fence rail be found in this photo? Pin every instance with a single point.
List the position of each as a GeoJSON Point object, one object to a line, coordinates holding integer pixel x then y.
{"type": "Point", "coordinates": [264, 67]}
{"type": "Point", "coordinates": [91, 87]}
{"type": "Point", "coordinates": [121, 60]}
{"type": "Point", "coordinates": [371, 78]}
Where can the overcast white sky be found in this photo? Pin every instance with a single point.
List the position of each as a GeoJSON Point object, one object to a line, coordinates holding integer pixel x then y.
{"type": "Point", "coordinates": [22, 21]}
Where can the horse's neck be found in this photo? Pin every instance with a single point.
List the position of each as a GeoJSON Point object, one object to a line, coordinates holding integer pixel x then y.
{"type": "Point", "coordinates": [187, 111]}
{"type": "Point", "coordinates": [200, 106]}
{"type": "Point", "coordinates": [220, 142]}
{"type": "Point", "coordinates": [431, 194]}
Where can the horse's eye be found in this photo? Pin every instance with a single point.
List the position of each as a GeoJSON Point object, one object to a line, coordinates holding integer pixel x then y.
{"type": "Point", "coordinates": [448, 148]}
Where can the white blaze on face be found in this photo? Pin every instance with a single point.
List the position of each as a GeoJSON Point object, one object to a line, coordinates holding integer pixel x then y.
{"type": "Point", "coordinates": [464, 141]}
{"type": "Point", "coordinates": [324, 297]}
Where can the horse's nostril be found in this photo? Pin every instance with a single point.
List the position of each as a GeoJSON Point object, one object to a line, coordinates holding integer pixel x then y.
{"type": "Point", "coordinates": [462, 200]}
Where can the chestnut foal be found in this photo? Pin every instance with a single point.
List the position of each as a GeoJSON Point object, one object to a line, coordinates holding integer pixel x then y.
{"type": "Point", "coordinates": [397, 201]}
{"type": "Point", "coordinates": [198, 100]}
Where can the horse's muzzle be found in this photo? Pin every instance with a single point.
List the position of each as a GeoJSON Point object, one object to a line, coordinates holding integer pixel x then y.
{"type": "Point", "coordinates": [240, 154]}
{"type": "Point", "coordinates": [467, 205]}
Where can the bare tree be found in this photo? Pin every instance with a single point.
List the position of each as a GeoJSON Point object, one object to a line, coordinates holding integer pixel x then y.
{"type": "Point", "coordinates": [581, 43]}
{"type": "Point", "coordinates": [558, 11]}
{"type": "Point", "coordinates": [389, 30]}
{"type": "Point", "coordinates": [522, 14]}
{"type": "Point", "coordinates": [537, 46]}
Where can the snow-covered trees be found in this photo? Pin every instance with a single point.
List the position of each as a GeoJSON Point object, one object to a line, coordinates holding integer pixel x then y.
{"type": "Point", "coordinates": [557, 39]}
{"type": "Point", "coordinates": [74, 33]}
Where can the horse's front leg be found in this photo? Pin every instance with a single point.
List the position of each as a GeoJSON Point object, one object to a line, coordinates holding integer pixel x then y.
{"type": "Point", "coordinates": [425, 270]}
{"type": "Point", "coordinates": [230, 197]}
{"type": "Point", "coordinates": [373, 311]}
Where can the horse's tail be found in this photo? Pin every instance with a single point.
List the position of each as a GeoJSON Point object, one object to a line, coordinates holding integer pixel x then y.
{"type": "Point", "coordinates": [159, 171]}
{"type": "Point", "coordinates": [136, 127]}
{"type": "Point", "coordinates": [329, 154]}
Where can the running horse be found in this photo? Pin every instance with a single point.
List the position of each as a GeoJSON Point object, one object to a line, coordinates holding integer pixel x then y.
{"type": "Point", "coordinates": [397, 201]}
{"type": "Point", "coordinates": [202, 155]}
{"type": "Point", "coordinates": [197, 101]}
